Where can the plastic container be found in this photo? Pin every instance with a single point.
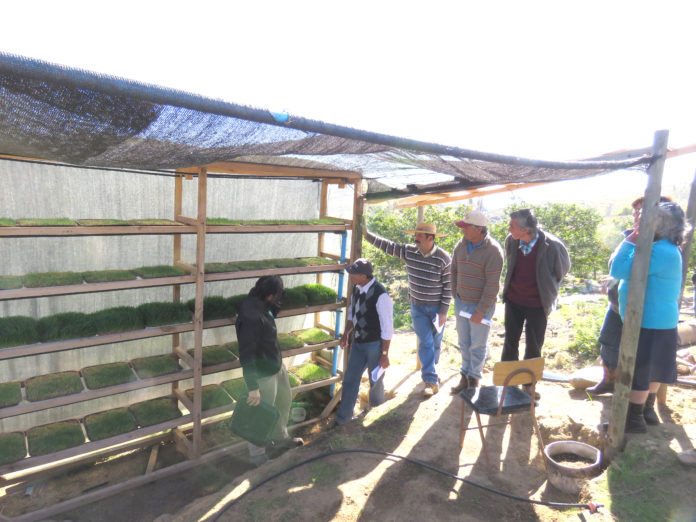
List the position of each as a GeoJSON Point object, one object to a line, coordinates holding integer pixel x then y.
{"type": "Point", "coordinates": [254, 423]}
{"type": "Point", "coordinates": [298, 414]}
{"type": "Point", "coordinates": [571, 479]}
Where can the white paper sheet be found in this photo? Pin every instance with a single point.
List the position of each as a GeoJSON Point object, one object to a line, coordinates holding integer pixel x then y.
{"type": "Point", "coordinates": [468, 316]}
{"type": "Point", "coordinates": [377, 373]}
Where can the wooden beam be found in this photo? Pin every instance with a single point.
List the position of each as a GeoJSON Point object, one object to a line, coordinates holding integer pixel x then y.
{"type": "Point", "coordinates": [689, 240]}
{"type": "Point", "coordinates": [434, 199]}
{"type": "Point", "coordinates": [152, 461]}
{"type": "Point", "coordinates": [259, 169]}
{"type": "Point", "coordinates": [183, 444]}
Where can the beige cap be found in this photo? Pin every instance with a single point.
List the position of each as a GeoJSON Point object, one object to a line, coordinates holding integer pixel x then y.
{"type": "Point", "coordinates": [473, 217]}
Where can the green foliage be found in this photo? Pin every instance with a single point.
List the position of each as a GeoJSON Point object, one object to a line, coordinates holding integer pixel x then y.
{"type": "Point", "coordinates": [294, 381]}
{"type": "Point", "coordinates": [104, 375]}
{"type": "Point", "coordinates": [7, 222]}
{"type": "Point", "coordinates": [294, 298]}
{"type": "Point", "coordinates": [236, 388]}
{"type": "Point", "coordinates": [103, 276]}
{"type": "Point", "coordinates": [17, 330]}
{"type": "Point", "coordinates": [153, 221]}
{"type": "Point", "coordinates": [233, 347]}
{"type": "Point", "coordinates": [147, 367]}
{"type": "Point", "coordinates": [8, 282]}
{"type": "Point", "coordinates": [54, 437]}
{"type": "Point", "coordinates": [313, 335]}
{"type": "Point", "coordinates": [156, 314]}
{"type": "Point", "coordinates": [234, 303]}
{"type": "Point", "coordinates": [216, 268]}
{"type": "Point", "coordinates": [213, 355]}
{"type": "Point", "coordinates": [148, 272]}
{"type": "Point", "coordinates": [11, 448]}
{"type": "Point", "coordinates": [319, 294]}
{"type": "Point", "coordinates": [10, 394]}
{"type": "Point", "coordinates": [212, 396]}
{"type": "Point", "coordinates": [314, 401]}
{"type": "Point", "coordinates": [51, 222]}
{"type": "Point", "coordinates": [310, 372]}
{"type": "Point", "coordinates": [154, 411]}
{"type": "Point", "coordinates": [587, 319]}
{"type": "Point", "coordinates": [118, 319]}
{"type": "Point", "coordinates": [67, 325]}
{"type": "Point", "coordinates": [101, 222]}
{"type": "Point", "coordinates": [214, 307]}
{"type": "Point", "coordinates": [288, 341]}
{"type": "Point", "coordinates": [44, 387]}
{"type": "Point", "coordinates": [37, 280]}
{"type": "Point", "coordinates": [109, 423]}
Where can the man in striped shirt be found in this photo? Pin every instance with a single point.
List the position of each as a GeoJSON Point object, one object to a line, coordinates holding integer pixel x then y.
{"type": "Point", "coordinates": [477, 262]}
{"type": "Point", "coordinates": [428, 268]}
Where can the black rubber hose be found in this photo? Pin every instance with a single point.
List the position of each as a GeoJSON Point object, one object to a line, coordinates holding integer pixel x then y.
{"type": "Point", "coordinates": [561, 505]}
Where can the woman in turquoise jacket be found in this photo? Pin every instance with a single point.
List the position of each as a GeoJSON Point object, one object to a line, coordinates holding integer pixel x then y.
{"type": "Point", "coordinates": [657, 343]}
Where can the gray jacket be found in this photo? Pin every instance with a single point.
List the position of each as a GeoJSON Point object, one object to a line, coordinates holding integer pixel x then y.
{"type": "Point", "coordinates": [552, 264]}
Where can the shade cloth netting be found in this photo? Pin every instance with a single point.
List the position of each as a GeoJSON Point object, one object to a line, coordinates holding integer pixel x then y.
{"type": "Point", "coordinates": [72, 116]}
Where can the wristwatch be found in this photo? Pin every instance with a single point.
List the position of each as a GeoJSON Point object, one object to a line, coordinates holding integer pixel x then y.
{"type": "Point", "coordinates": [384, 352]}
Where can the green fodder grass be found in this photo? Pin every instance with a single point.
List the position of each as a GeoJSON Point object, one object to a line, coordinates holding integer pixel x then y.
{"type": "Point", "coordinates": [213, 355]}
{"type": "Point", "coordinates": [313, 335]}
{"type": "Point", "coordinates": [105, 276]}
{"type": "Point", "coordinates": [147, 367]}
{"type": "Point", "coordinates": [44, 387]}
{"type": "Point", "coordinates": [39, 279]}
{"type": "Point", "coordinates": [101, 222]}
{"type": "Point", "coordinates": [294, 381]}
{"type": "Point", "coordinates": [215, 268]}
{"type": "Point", "coordinates": [12, 448]}
{"type": "Point", "coordinates": [153, 221]}
{"type": "Point", "coordinates": [235, 301]}
{"type": "Point", "coordinates": [67, 325]}
{"type": "Point", "coordinates": [319, 294]}
{"type": "Point", "coordinates": [217, 434]}
{"type": "Point", "coordinates": [54, 437]}
{"type": "Point", "coordinates": [154, 411]}
{"type": "Point", "coordinates": [235, 388]}
{"type": "Point", "coordinates": [294, 298]}
{"type": "Point", "coordinates": [50, 222]}
{"type": "Point", "coordinates": [118, 319]}
{"type": "Point", "coordinates": [8, 282]}
{"type": "Point", "coordinates": [214, 307]}
{"type": "Point", "coordinates": [111, 374]}
{"type": "Point", "coordinates": [149, 272]}
{"type": "Point", "coordinates": [212, 396]}
{"type": "Point", "coordinates": [157, 314]}
{"type": "Point", "coordinates": [233, 347]}
{"type": "Point", "coordinates": [109, 423]}
{"type": "Point", "coordinates": [17, 330]}
{"type": "Point", "coordinates": [7, 222]}
{"type": "Point", "coordinates": [288, 341]}
{"type": "Point", "coordinates": [310, 372]}
{"type": "Point", "coordinates": [10, 393]}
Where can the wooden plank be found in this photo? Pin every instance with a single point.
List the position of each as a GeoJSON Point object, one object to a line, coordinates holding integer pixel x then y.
{"type": "Point", "coordinates": [257, 229]}
{"type": "Point", "coordinates": [249, 274]}
{"type": "Point", "coordinates": [152, 461]}
{"type": "Point", "coordinates": [186, 266]}
{"type": "Point", "coordinates": [185, 220]}
{"type": "Point", "coordinates": [332, 404]}
{"type": "Point", "coordinates": [317, 384]}
{"type": "Point", "coordinates": [183, 444]}
{"type": "Point", "coordinates": [184, 356]}
{"type": "Point", "coordinates": [119, 230]}
{"type": "Point", "coordinates": [259, 169]}
{"type": "Point", "coordinates": [183, 398]}
{"type": "Point", "coordinates": [459, 195]}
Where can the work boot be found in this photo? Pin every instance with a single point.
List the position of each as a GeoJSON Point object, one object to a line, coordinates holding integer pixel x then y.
{"type": "Point", "coordinates": [527, 388]}
{"type": "Point", "coordinates": [463, 385]}
{"type": "Point", "coordinates": [606, 385]}
{"type": "Point", "coordinates": [473, 383]}
{"type": "Point", "coordinates": [430, 389]}
{"type": "Point", "coordinates": [635, 421]}
{"type": "Point", "coordinates": [649, 410]}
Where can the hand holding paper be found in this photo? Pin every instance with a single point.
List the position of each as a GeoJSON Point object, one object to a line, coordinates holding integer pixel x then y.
{"type": "Point", "coordinates": [436, 324]}
{"type": "Point", "coordinates": [487, 322]}
{"type": "Point", "coordinates": [377, 373]}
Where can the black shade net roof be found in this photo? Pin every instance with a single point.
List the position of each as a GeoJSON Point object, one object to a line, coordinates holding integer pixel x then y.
{"type": "Point", "coordinates": [71, 116]}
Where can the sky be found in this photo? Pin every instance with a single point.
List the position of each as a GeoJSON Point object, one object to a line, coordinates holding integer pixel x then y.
{"type": "Point", "coordinates": [546, 80]}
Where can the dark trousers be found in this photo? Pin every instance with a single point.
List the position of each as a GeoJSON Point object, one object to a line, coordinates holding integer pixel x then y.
{"type": "Point", "coordinates": [515, 318]}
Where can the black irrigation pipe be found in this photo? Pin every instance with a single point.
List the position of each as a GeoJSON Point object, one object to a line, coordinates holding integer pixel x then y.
{"type": "Point", "coordinates": [560, 505]}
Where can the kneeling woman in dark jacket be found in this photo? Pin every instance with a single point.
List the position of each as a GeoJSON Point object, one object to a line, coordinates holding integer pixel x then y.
{"type": "Point", "coordinates": [264, 373]}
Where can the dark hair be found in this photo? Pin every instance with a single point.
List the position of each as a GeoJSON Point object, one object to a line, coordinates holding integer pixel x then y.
{"type": "Point", "coordinates": [525, 219]}
{"type": "Point", "coordinates": [670, 223]}
{"type": "Point", "coordinates": [639, 201]}
{"type": "Point", "coordinates": [267, 285]}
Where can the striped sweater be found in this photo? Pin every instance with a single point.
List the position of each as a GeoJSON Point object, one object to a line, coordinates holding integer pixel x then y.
{"type": "Point", "coordinates": [428, 276]}
{"type": "Point", "coordinates": [476, 275]}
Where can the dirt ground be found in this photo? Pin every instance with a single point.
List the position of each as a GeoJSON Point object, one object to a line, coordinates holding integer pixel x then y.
{"type": "Point", "coordinates": [368, 486]}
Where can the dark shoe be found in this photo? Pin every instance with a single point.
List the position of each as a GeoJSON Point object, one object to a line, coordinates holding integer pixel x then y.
{"type": "Point", "coordinates": [606, 385]}
{"type": "Point", "coordinates": [473, 383]}
{"type": "Point", "coordinates": [635, 421]}
{"type": "Point", "coordinates": [649, 413]}
{"type": "Point", "coordinates": [277, 447]}
{"type": "Point", "coordinates": [527, 388]}
{"type": "Point", "coordinates": [463, 385]}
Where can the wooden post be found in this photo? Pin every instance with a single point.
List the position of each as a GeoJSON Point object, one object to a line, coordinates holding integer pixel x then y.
{"type": "Point", "coordinates": [636, 298]}
{"type": "Point", "coordinates": [176, 289]}
{"type": "Point", "coordinates": [198, 313]}
{"type": "Point", "coordinates": [355, 247]}
{"type": "Point", "coordinates": [689, 240]}
{"type": "Point", "coordinates": [419, 365]}
{"type": "Point", "coordinates": [323, 210]}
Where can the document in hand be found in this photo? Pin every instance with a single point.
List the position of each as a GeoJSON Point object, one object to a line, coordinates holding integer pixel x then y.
{"type": "Point", "coordinates": [436, 324]}
{"type": "Point", "coordinates": [377, 373]}
{"type": "Point", "coordinates": [483, 321]}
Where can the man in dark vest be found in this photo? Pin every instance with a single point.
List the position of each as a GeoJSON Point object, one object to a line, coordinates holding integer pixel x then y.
{"type": "Point", "coordinates": [536, 264]}
{"type": "Point", "coordinates": [370, 321]}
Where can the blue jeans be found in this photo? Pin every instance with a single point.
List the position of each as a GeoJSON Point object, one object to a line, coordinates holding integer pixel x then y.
{"type": "Point", "coordinates": [362, 355]}
{"type": "Point", "coordinates": [473, 339]}
{"type": "Point", "coordinates": [428, 340]}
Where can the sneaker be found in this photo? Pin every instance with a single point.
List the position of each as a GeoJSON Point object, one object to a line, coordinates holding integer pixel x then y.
{"type": "Point", "coordinates": [430, 389]}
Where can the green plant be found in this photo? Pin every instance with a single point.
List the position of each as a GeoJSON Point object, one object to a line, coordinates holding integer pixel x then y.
{"type": "Point", "coordinates": [156, 314]}
{"type": "Point", "coordinates": [587, 319]}
{"type": "Point", "coordinates": [147, 367]}
{"type": "Point", "coordinates": [234, 303]}
{"type": "Point", "coordinates": [213, 355]}
{"type": "Point", "coordinates": [110, 374]}
{"type": "Point", "coordinates": [44, 387]}
{"type": "Point", "coordinates": [319, 294]}
{"type": "Point", "coordinates": [152, 222]}
{"type": "Point", "coordinates": [313, 335]}
{"type": "Point", "coordinates": [310, 372]}
{"type": "Point", "coordinates": [54, 437]}
{"type": "Point", "coordinates": [18, 329]}
{"type": "Point", "coordinates": [10, 393]}
{"type": "Point", "coordinates": [214, 307]}
{"type": "Point", "coordinates": [154, 411]}
{"type": "Point", "coordinates": [103, 276]}
{"type": "Point", "coordinates": [294, 298]}
{"type": "Point", "coordinates": [7, 222]}
{"type": "Point", "coordinates": [212, 396]}
{"type": "Point", "coordinates": [36, 280]}
{"type": "Point", "coordinates": [233, 347]}
{"type": "Point", "coordinates": [67, 325]}
{"type": "Point", "coordinates": [214, 268]}
{"type": "Point", "coordinates": [288, 341]}
{"type": "Point", "coordinates": [149, 272]}
{"type": "Point", "coordinates": [217, 434]}
{"type": "Point", "coordinates": [101, 222]}
{"type": "Point", "coordinates": [118, 319]}
{"type": "Point", "coordinates": [8, 282]}
{"type": "Point", "coordinates": [51, 222]}
{"type": "Point", "coordinates": [294, 381]}
{"type": "Point", "coordinates": [109, 423]}
{"type": "Point", "coordinates": [12, 448]}
{"type": "Point", "coordinates": [236, 388]}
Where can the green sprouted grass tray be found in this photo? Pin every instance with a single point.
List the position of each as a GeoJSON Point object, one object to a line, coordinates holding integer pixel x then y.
{"type": "Point", "coordinates": [109, 423]}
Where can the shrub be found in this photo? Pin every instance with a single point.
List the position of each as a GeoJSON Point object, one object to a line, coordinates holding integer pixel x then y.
{"type": "Point", "coordinates": [12, 448]}
{"type": "Point", "coordinates": [154, 411]}
{"type": "Point", "coordinates": [156, 314]}
{"type": "Point", "coordinates": [313, 335]}
{"type": "Point", "coordinates": [8, 282]}
{"type": "Point", "coordinates": [310, 372]}
{"type": "Point", "coordinates": [67, 325]}
{"type": "Point", "coordinates": [294, 298]}
{"type": "Point", "coordinates": [319, 294]}
{"type": "Point", "coordinates": [288, 341]}
{"type": "Point", "coordinates": [117, 319]}
{"type": "Point", "coordinates": [587, 319]}
{"type": "Point", "coordinates": [104, 375]}
{"type": "Point", "coordinates": [51, 222]}
{"type": "Point", "coordinates": [236, 388]}
{"type": "Point", "coordinates": [10, 394]}
{"type": "Point", "coordinates": [213, 355]}
{"type": "Point", "coordinates": [44, 387]}
{"type": "Point", "coordinates": [212, 396]}
{"type": "Point", "coordinates": [214, 307]}
{"type": "Point", "coordinates": [40, 279]}
{"type": "Point", "coordinates": [54, 437]}
{"type": "Point", "coordinates": [149, 272]}
{"type": "Point", "coordinates": [147, 367]}
{"type": "Point", "coordinates": [18, 329]}
{"type": "Point", "coordinates": [103, 276]}
{"type": "Point", "coordinates": [109, 423]}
